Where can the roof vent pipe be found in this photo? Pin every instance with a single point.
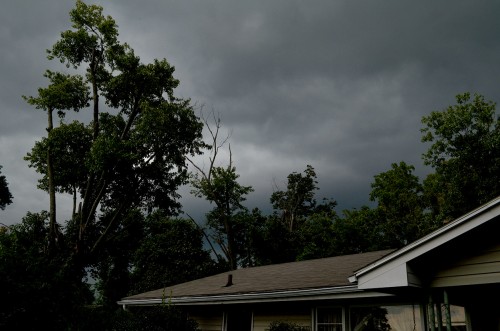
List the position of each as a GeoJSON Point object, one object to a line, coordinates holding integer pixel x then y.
{"type": "Point", "coordinates": [229, 280]}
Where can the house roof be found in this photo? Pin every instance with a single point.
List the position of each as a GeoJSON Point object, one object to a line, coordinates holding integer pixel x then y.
{"type": "Point", "coordinates": [348, 276]}
{"type": "Point", "coordinates": [394, 270]}
{"type": "Point", "coordinates": [303, 278]}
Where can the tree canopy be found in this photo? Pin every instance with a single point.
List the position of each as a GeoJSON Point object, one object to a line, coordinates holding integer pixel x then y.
{"type": "Point", "coordinates": [465, 153]}
{"type": "Point", "coordinates": [5, 195]}
{"type": "Point", "coordinates": [133, 154]}
{"type": "Point", "coordinates": [125, 164]}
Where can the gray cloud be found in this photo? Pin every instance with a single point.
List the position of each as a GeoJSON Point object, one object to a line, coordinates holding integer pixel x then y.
{"type": "Point", "coordinates": [340, 85]}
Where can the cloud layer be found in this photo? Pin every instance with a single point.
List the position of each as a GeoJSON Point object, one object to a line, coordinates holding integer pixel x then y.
{"type": "Point", "coordinates": [340, 85]}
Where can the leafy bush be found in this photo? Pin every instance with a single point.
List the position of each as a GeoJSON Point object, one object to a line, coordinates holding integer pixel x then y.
{"type": "Point", "coordinates": [286, 326]}
{"type": "Point", "coordinates": [158, 318]}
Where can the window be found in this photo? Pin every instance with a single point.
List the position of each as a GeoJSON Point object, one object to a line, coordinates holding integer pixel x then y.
{"type": "Point", "coordinates": [457, 314]}
{"type": "Point", "coordinates": [238, 320]}
{"type": "Point", "coordinates": [329, 319]}
{"type": "Point", "coordinates": [385, 318]}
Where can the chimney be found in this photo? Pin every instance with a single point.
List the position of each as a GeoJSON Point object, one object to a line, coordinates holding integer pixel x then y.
{"type": "Point", "coordinates": [229, 280]}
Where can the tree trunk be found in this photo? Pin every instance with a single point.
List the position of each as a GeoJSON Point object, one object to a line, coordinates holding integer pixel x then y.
{"type": "Point", "coordinates": [52, 190]}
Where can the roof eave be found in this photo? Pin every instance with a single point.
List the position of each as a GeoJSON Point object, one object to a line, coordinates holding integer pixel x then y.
{"type": "Point", "coordinates": [458, 225]}
{"type": "Point", "coordinates": [343, 292]}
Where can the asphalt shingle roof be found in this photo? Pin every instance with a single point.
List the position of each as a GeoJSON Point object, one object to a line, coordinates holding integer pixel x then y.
{"type": "Point", "coordinates": [310, 274]}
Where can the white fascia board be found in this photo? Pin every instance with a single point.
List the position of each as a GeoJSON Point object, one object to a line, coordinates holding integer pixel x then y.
{"type": "Point", "coordinates": [435, 239]}
{"type": "Point", "coordinates": [345, 292]}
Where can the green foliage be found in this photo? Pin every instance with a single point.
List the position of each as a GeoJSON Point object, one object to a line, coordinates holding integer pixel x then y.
{"type": "Point", "coordinates": [124, 164]}
{"type": "Point", "coordinates": [297, 201]}
{"type": "Point", "coordinates": [69, 145]}
{"type": "Point", "coordinates": [220, 186]}
{"type": "Point", "coordinates": [131, 158]}
{"type": "Point", "coordinates": [401, 205]}
{"type": "Point", "coordinates": [359, 231]}
{"type": "Point", "coordinates": [65, 92]}
{"type": "Point", "coordinates": [171, 252]}
{"type": "Point", "coordinates": [223, 189]}
{"type": "Point", "coordinates": [317, 238]}
{"type": "Point", "coordinates": [5, 195]}
{"type": "Point", "coordinates": [158, 318]}
{"type": "Point", "coordinates": [465, 152]}
{"type": "Point", "coordinates": [275, 243]}
{"type": "Point", "coordinates": [38, 291]}
{"type": "Point", "coordinates": [299, 228]}
{"type": "Point", "coordinates": [286, 326]}
{"type": "Point", "coordinates": [248, 229]}
{"type": "Point", "coordinates": [111, 266]}
{"type": "Point", "coordinates": [93, 39]}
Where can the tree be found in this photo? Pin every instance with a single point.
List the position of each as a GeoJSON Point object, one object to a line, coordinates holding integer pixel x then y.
{"type": "Point", "coordinates": [171, 252]}
{"type": "Point", "coordinates": [64, 92]}
{"type": "Point", "coordinates": [465, 153]}
{"type": "Point", "coordinates": [222, 188]}
{"type": "Point", "coordinates": [162, 317]}
{"type": "Point", "coordinates": [115, 259]}
{"type": "Point", "coordinates": [38, 291]}
{"type": "Point", "coordinates": [5, 195]}
{"type": "Point", "coordinates": [126, 163]}
{"type": "Point", "coordinates": [317, 237]}
{"type": "Point", "coordinates": [248, 231]}
{"type": "Point", "coordinates": [219, 185]}
{"type": "Point", "coordinates": [297, 202]}
{"type": "Point", "coordinates": [401, 205]}
{"type": "Point", "coordinates": [70, 143]}
{"type": "Point", "coordinates": [299, 227]}
{"type": "Point", "coordinates": [359, 231]}
{"type": "Point", "coordinates": [135, 157]}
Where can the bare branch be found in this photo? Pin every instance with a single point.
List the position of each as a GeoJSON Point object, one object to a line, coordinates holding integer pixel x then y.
{"type": "Point", "coordinates": [213, 124]}
{"type": "Point", "coordinates": [207, 238]}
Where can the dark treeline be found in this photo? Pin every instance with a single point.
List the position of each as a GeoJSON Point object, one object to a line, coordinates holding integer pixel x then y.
{"type": "Point", "coordinates": [123, 170]}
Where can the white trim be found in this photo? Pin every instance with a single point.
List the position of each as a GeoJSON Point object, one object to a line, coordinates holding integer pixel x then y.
{"type": "Point", "coordinates": [343, 312]}
{"type": "Point", "coordinates": [344, 292]}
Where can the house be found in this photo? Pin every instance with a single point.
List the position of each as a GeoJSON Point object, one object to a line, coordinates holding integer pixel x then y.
{"type": "Point", "coordinates": [450, 279]}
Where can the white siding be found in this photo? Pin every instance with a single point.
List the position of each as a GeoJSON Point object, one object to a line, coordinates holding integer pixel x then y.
{"type": "Point", "coordinates": [480, 268]}
{"type": "Point", "coordinates": [207, 322]}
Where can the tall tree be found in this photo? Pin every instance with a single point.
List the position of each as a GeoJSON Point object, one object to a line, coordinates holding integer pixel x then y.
{"type": "Point", "coordinates": [64, 92]}
{"type": "Point", "coordinates": [92, 41]}
{"type": "Point", "coordinates": [297, 202]}
{"type": "Point", "coordinates": [465, 153]}
{"type": "Point", "coordinates": [5, 195]}
{"type": "Point", "coordinates": [70, 143]}
{"type": "Point", "coordinates": [219, 185]}
{"type": "Point", "coordinates": [299, 227]}
{"type": "Point", "coordinates": [222, 189]}
{"type": "Point", "coordinates": [128, 161]}
{"type": "Point", "coordinates": [136, 155]}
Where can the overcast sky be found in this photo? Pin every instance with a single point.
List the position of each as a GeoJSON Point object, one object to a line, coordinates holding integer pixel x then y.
{"type": "Point", "coordinates": [339, 85]}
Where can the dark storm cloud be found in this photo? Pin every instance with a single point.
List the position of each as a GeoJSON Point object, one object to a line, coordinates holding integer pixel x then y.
{"type": "Point", "coordinates": [340, 85]}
